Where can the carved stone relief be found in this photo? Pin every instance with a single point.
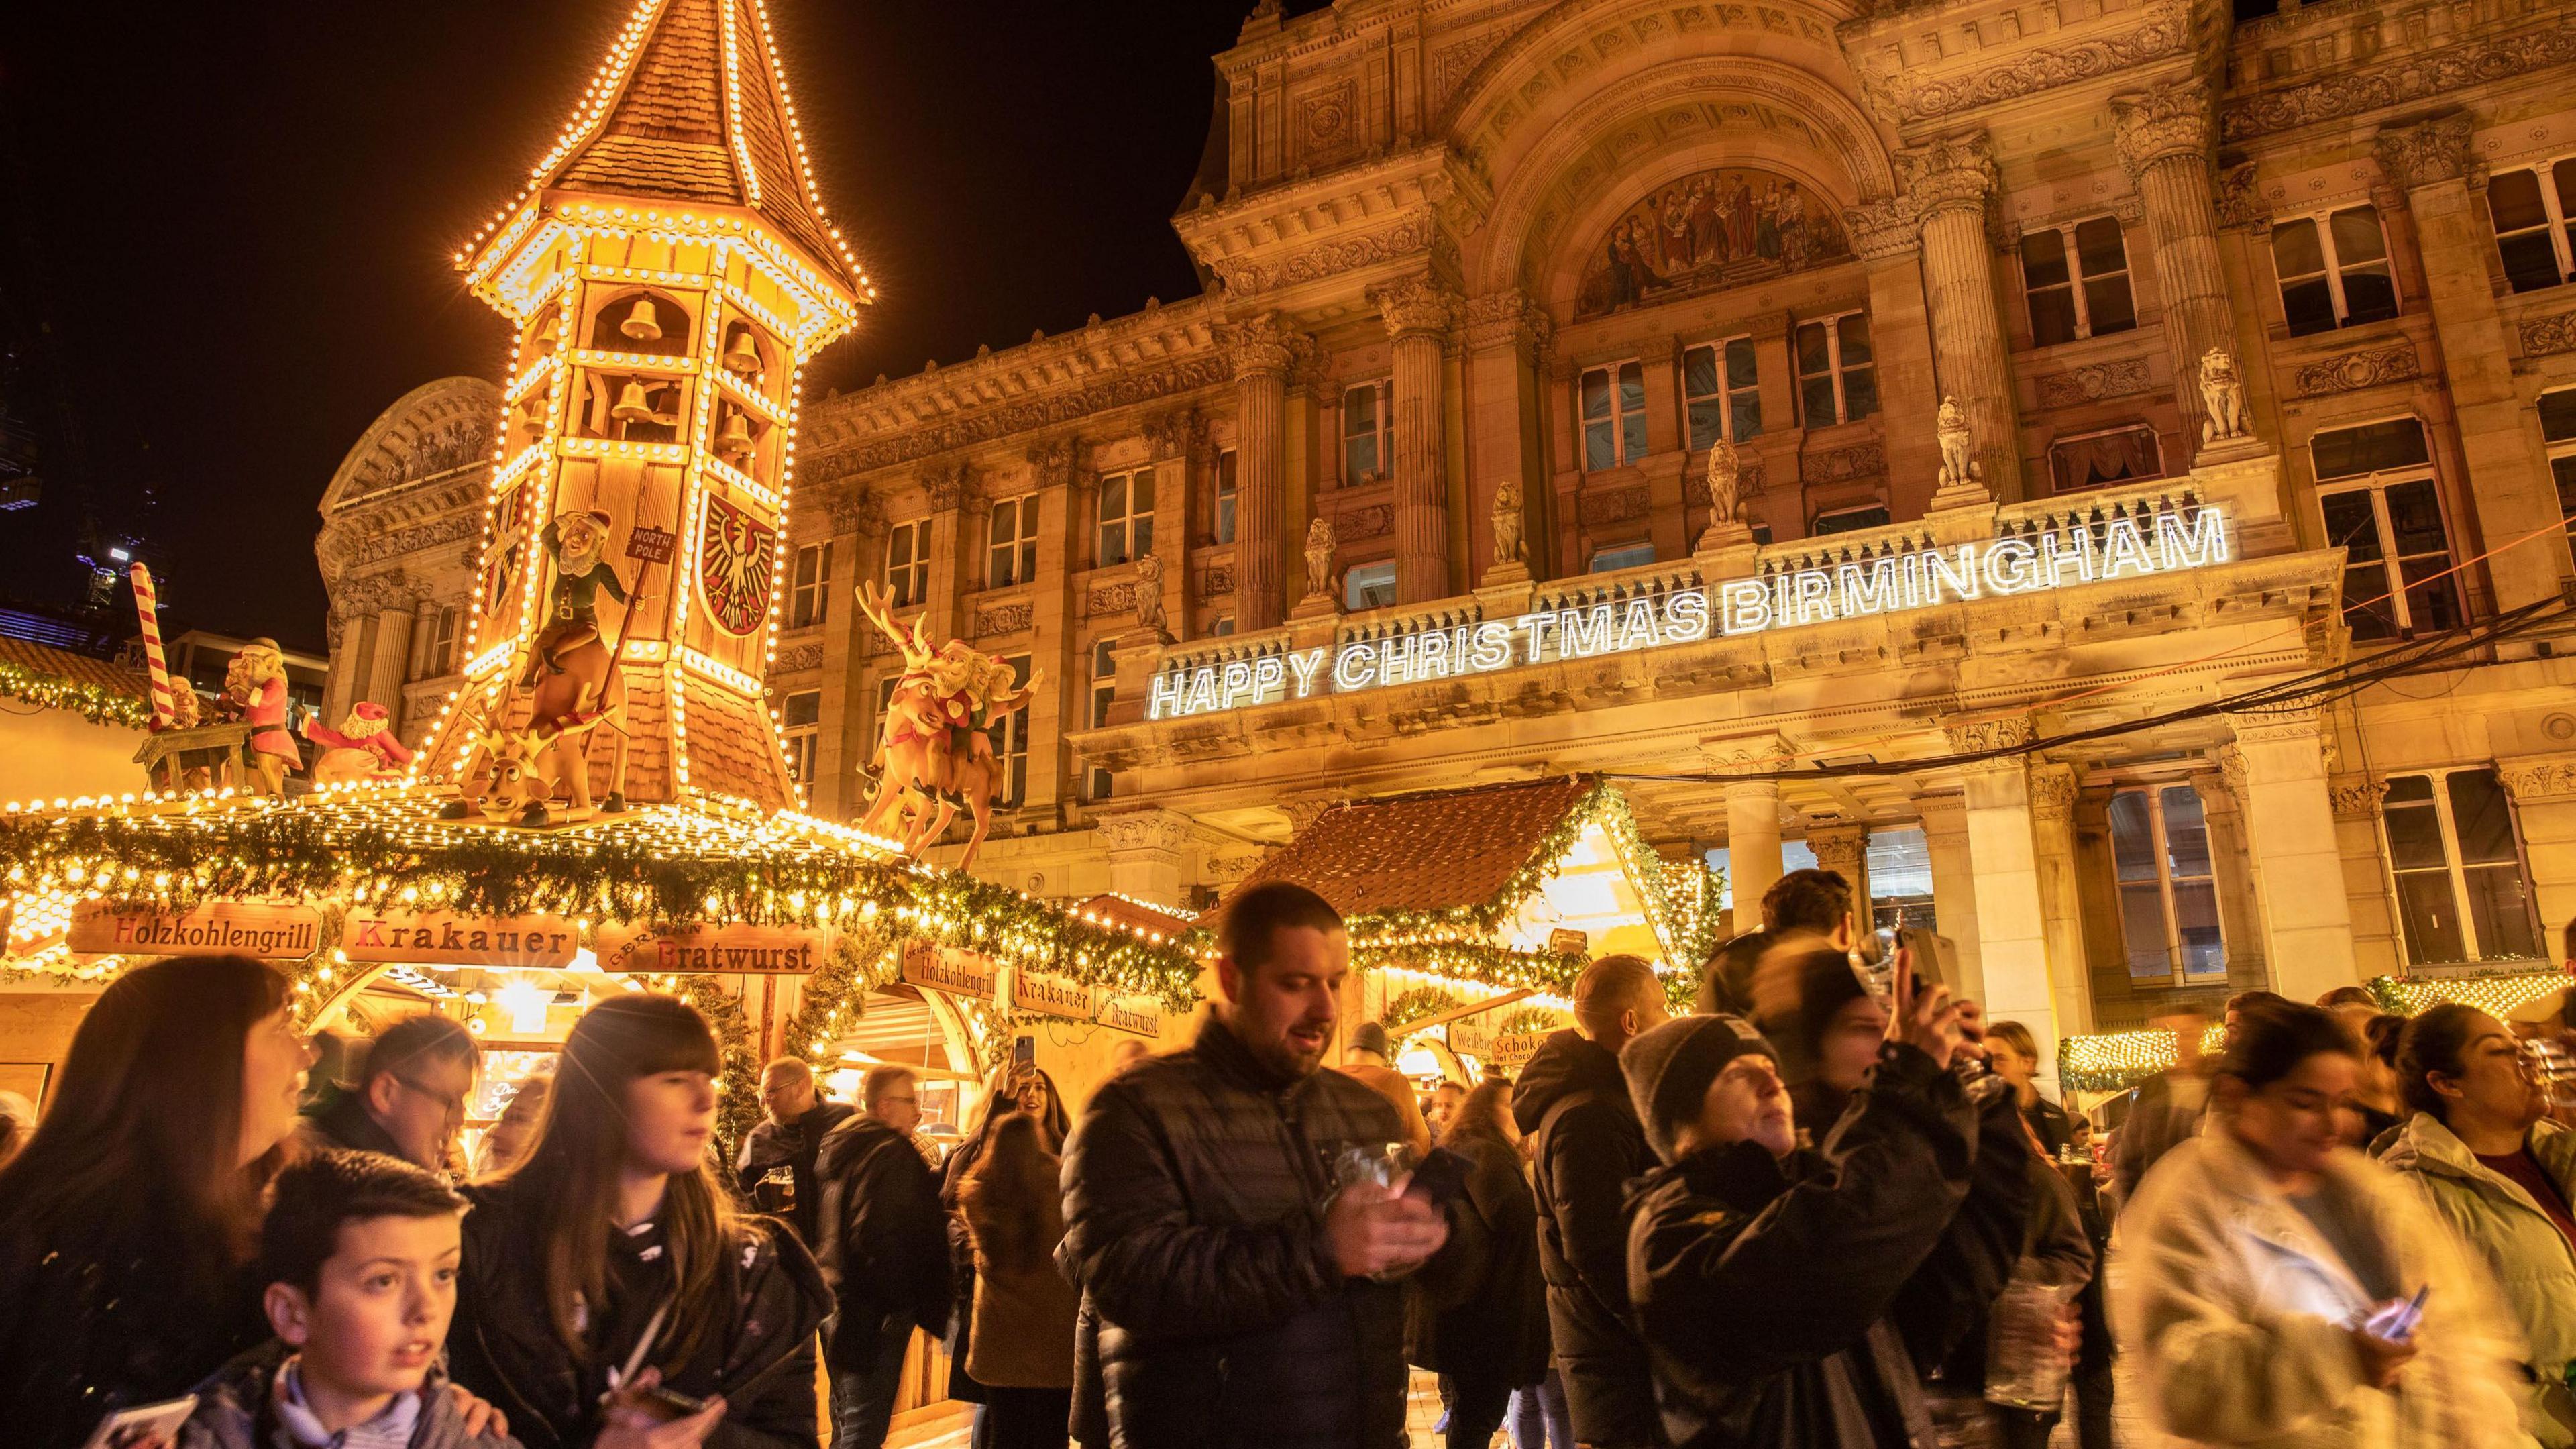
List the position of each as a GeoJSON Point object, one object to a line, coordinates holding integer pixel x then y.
{"type": "Point", "coordinates": [2093, 382]}
{"type": "Point", "coordinates": [2353, 371]}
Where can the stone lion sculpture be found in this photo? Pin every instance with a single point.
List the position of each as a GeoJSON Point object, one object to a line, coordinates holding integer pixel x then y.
{"type": "Point", "coordinates": [2222, 395]}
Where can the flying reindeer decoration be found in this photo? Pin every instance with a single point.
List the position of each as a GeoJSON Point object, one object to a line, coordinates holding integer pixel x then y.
{"type": "Point", "coordinates": [934, 758]}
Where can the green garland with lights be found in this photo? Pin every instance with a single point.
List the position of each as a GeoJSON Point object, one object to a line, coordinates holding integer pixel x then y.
{"type": "Point", "coordinates": [175, 863]}
{"type": "Point", "coordinates": [1411, 1006]}
{"type": "Point", "coordinates": [1534, 1021]}
{"type": "Point", "coordinates": [95, 703]}
{"type": "Point", "coordinates": [1475, 963]}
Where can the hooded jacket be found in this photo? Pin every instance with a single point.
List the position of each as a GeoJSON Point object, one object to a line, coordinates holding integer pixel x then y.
{"type": "Point", "coordinates": [1585, 1144]}
{"type": "Point", "coordinates": [1213, 1312]}
{"type": "Point", "coordinates": [759, 1355]}
{"type": "Point", "coordinates": [884, 1239]}
{"type": "Point", "coordinates": [1768, 1288]}
{"type": "Point", "coordinates": [343, 1125]}
{"type": "Point", "coordinates": [770, 1146]}
{"type": "Point", "coordinates": [2233, 1313]}
{"type": "Point", "coordinates": [2501, 1224]}
{"type": "Point", "coordinates": [233, 1410]}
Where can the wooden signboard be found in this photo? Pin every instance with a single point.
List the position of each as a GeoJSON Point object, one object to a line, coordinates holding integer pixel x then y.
{"type": "Point", "coordinates": [446, 939]}
{"type": "Point", "coordinates": [1472, 1039]}
{"type": "Point", "coordinates": [948, 969]}
{"type": "Point", "coordinates": [1568, 942]}
{"type": "Point", "coordinates": [1050, 995]}
{"type": "Point", "coordinates": [1142, 1015]}
{"type": "Point", "coordinates": [222, 928]}
{"type": "Point", "coordinates": [693, 950]}
{"type": "Point", "coordinates": [1511, 1048]}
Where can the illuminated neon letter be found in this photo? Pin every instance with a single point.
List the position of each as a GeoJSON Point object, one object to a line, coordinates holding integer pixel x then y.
{"type": "Point", "coordinates": [2204, 542]}
{"type": "Point", "coordinates": [1686, 616]}
{"type": "Point", "coordinates": [1637, 630]}
{"type": "Point", "coordinates": [1867, 590]}
{"type": "Point", "coordinates": [1168, 696]}
{"type": "Point", "coordinates": [1202, 690]}
{"type": "Point", "coordinates": [1355, 667]}
{"type": "Point", "coordinates": [1536, 627]}
{"type": "Point", "coordinates": [1235, 682]}
{"type": "Point", "coordinates": [1744, 607]}
{"type": "Point", "coordinates": [1304, 667]}
{"type": "Point", "coordinates": [1269, 676]}
{"type": "Point", "coordinates": [2060, 549]}
{"type": "Point", "coordinates": [1960, 578]}
{"type": "Point", "coordinates": [2009, 568]}
{"type": "Point", "coordinates": [1585, 631]}
{"type": "Point", "coordinates": [2125, 547]}
{"type": "Point", "coordinates": [1492, 646]}
{"type": "Point", "coordinates": [1814, 599]}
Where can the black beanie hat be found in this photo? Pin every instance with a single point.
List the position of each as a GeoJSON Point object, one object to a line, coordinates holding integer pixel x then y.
{"type": "Point", "coordinates": [1669, 1069]}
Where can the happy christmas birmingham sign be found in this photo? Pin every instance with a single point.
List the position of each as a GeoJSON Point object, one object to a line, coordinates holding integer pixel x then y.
{"type": "Point", "coordinates": [2129, 547]}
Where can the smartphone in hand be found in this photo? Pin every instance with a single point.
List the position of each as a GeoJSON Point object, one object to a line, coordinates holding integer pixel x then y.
{"type": "Point", "coordinates": [2397, 1322]}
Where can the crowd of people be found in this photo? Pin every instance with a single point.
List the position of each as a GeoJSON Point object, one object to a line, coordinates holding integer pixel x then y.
{"type": "Point", "coordinates": [1832, 1205]}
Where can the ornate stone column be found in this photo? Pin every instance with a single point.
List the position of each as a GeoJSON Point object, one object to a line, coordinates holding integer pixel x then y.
{"type": "Point", "coordinates": [848, 714]}
{"type": "Point", "coordinates": [2165, 137]}
{"type": "Point", "coordinates": [1505, 334]}
{"type": "Point", "coordinates": [2544, 796]}
{"type": "Point", "coordinates": [1148, 854]}
{"type": "Point", "coordinates": [390, 664]}
{"type": "Point", "coordinates": [2515, 495]}
{"type": "Point", "coordinates": [2012, 913]}
{"type": "Point", "coordinates": [1954, 884]}
{"type": "Point", "coordinates": [1890, 244]}
{"type": "Point", "coordinates": [2356, 800]}
{"type": "Point", "coordinates": [1418, 315]}
{"type": "Point", "coordinates": [1753, 862]}
{"type": "Point", "coordinates": [1947, 183]}
{"type": "Point", "coordinates": [1261, 352]}
{"type": "Point", "coordinates": [947, 484]}
{"type": "Point", "coordinates": [2278, 768]}
{"type": "Point", "coordinates": [2061, 902]}
{"type": "Point", "coordinates": [1844, 849]}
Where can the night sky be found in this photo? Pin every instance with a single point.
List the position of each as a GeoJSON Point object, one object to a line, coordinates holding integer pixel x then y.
{"type": "Point", "coordinates": [225, 229]}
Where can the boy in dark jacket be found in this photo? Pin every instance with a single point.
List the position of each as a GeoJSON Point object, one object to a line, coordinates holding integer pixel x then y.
{"type": "Point", "coordinates": [1767, 1277]}
{"type": "Point", "coordinates": [360, 1254]}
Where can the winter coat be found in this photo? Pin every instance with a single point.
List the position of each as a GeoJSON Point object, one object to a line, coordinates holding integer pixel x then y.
{"type": "Point", "coordinates": [2232, 1312]}
{"type": "Point", "coordinates": [1572, 1104]}
{"type": "Point", "coordinates": [97, 1317]}
{"type": "Point", "coordinates": [884, 1244]}
{"type": "Point", "coordinates": [759, 1355]}
{"type": "Point", "coordinates": [1477, 1311]}
{"type": "Point", "coordinates": [1767, 1288]}
{"type": "Point", "coordinates": [2501, 1225]}
{"type": "Point", "coordinates": [2160, 1115]}
{"type": "Point", "coordinates": [341, 1124]}
{"type": "Point", "coordinates": [2055, 1249]}
{"type": "Point", "coordinates": [1195, 1186]}
{"type": "Point", "coordinates": [1390, 1084]}
{"type": "Point", "coordinates": [233, 1410]}
{"type": "Point", "coordinates": [1024, 1318]}
{"type": "Point", "coordinates": [770, 1146]}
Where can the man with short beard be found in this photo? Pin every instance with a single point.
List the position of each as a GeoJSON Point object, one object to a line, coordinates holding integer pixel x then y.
{"type": "Point", "coordinates": [1232, 1293]}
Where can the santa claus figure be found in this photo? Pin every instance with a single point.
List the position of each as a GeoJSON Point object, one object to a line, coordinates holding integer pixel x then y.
{"type": "Point", "coordinates": [256, 685]}
{"type": "Point", "coordinates": [363, 747]}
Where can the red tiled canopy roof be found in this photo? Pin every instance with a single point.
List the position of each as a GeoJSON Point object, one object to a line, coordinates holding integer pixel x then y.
{"type": "Point", "coordinates": [669, 132]}
{"type": "Point", "coordinates": [78, 668]}
{"type": "Point", "coordinates": [1427, 852]}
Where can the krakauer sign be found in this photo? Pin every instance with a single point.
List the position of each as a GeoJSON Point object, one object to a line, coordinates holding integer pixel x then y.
{"type": "Point", "coordinates": [2133, 546]}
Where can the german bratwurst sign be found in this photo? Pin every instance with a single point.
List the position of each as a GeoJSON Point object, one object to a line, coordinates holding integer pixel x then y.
{"type": "Point", "coordinates": [751, 950]}
{"type": "Point", "coordinates": [2133, 546]}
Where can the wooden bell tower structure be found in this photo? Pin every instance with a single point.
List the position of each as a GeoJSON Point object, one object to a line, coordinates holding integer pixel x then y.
{"type": "Point", "coordinates": [669, 269]}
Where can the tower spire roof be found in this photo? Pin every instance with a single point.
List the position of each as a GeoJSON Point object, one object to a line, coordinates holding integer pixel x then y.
{"type": "Point", "coordinates": [691, 105]}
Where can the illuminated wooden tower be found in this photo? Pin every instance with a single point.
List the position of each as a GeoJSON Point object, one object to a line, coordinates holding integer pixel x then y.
{"type": "Point", "coordinates": [669, 269]}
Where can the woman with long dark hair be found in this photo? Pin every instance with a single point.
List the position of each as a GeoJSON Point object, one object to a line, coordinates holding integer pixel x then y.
{"type": "Point", "coordinates": [1014, 1090]}
{"type": "Point", "coordinates": [1021, 1345]}
{"type": "Point", "coordinates": [613, 1244]}
{"type": "Point", "coordinates": [2265, 1274]}
{"type": "Point", "coordinates": [1477, 1313]}
{"type": "Point", "coordinates": [127, 1224]}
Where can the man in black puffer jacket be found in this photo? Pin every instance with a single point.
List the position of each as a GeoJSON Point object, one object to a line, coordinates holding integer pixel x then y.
{"type": "Point", "coordinates": [1585, 1145]}
{"type": "Point", "coordinates": [1233, 1295]}
{"type": "Point", "coordinates": [883, 1248]}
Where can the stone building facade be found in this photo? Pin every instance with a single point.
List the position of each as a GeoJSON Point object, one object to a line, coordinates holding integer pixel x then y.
{"type": "Point", "coordinates": [1487, 283]}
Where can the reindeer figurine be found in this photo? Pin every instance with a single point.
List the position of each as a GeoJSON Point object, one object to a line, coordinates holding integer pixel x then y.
{"type": "Point", "coordinates": [934, 758]}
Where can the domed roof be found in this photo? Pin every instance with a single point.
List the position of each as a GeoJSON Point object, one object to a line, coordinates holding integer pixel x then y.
{"type": "Point", "coordinates": [435, 428]}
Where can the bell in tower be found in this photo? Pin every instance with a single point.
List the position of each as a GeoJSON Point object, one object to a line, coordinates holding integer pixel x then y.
{"type": "Point", "coordinates": [642, 324]}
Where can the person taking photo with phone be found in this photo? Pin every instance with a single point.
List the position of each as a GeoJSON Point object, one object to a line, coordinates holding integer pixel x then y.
{"type": "Point", "coordinates": [608, 1282]}
{"type": "Point", "coordinates": [2271, 1286]}
{"type": "Point", "coordinates": [2500, 1174]}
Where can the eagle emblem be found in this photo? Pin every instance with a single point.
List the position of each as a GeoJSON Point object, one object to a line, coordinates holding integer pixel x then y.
{"type": "Point", "coordinates": [736, 553]}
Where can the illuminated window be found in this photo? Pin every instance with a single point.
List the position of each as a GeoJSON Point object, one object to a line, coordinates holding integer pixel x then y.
{"type": "Point", "coordinates": [885, 701]}
{"type": "Point", "coordinates": [800, 728]}
{"type": "Point", "coordinates": [2558, 429]}
{"type": "Point", "coordinates": [439, 659]}
{"type": "Point", "coordinates": [1368, 586]}
{"type": "Point", "coordinates": [1613, 403]}
{"type": "Point", "coordinates": [1104, 692]}
{"type": "Point", "coordinates": [1225, 486]}
{"type": "Point", "coordinates": [1844, 520]}
{"type": "Point", "coordinates": [1010, 737]}
{"type": "Point", "coordinates": [907, 566]}
{"type": "Point", "coordinates": [1364, 433]}
{"type": "Point", "coordinates": [1625, 556]}
{"type": "Point", "coordinates": [810, 598]}
{"type": "Point", "coordinates": [2168, 894]}
{"type": "Point", "coordinates": [2457, 868]}
{"type": "Point", "coordinates": [1837, 378]}
{"type": "Point", "coordinates": [1126, 516]}
{"type": "Point", "coordinates": [2077, 279]}
{"type": "Point", "coordinates": [1220, 626]}
{"type": "Point", "coordinates": [2375, 486]}
{"type": "Point", "coordinates": [2534, 210]}
{"type": "Point", "coordinates": [1719, 392]}
{"type": "Point", "coordinates": [1012, 555]}
{"type": "Point", "coordinates": [2114, 455]}
{"type": "Point", "coordinates": [2333, 271]}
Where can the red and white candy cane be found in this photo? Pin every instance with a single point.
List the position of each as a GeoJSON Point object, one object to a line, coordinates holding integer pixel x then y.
{"type": "Point", "coordinates": [164, 710]}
